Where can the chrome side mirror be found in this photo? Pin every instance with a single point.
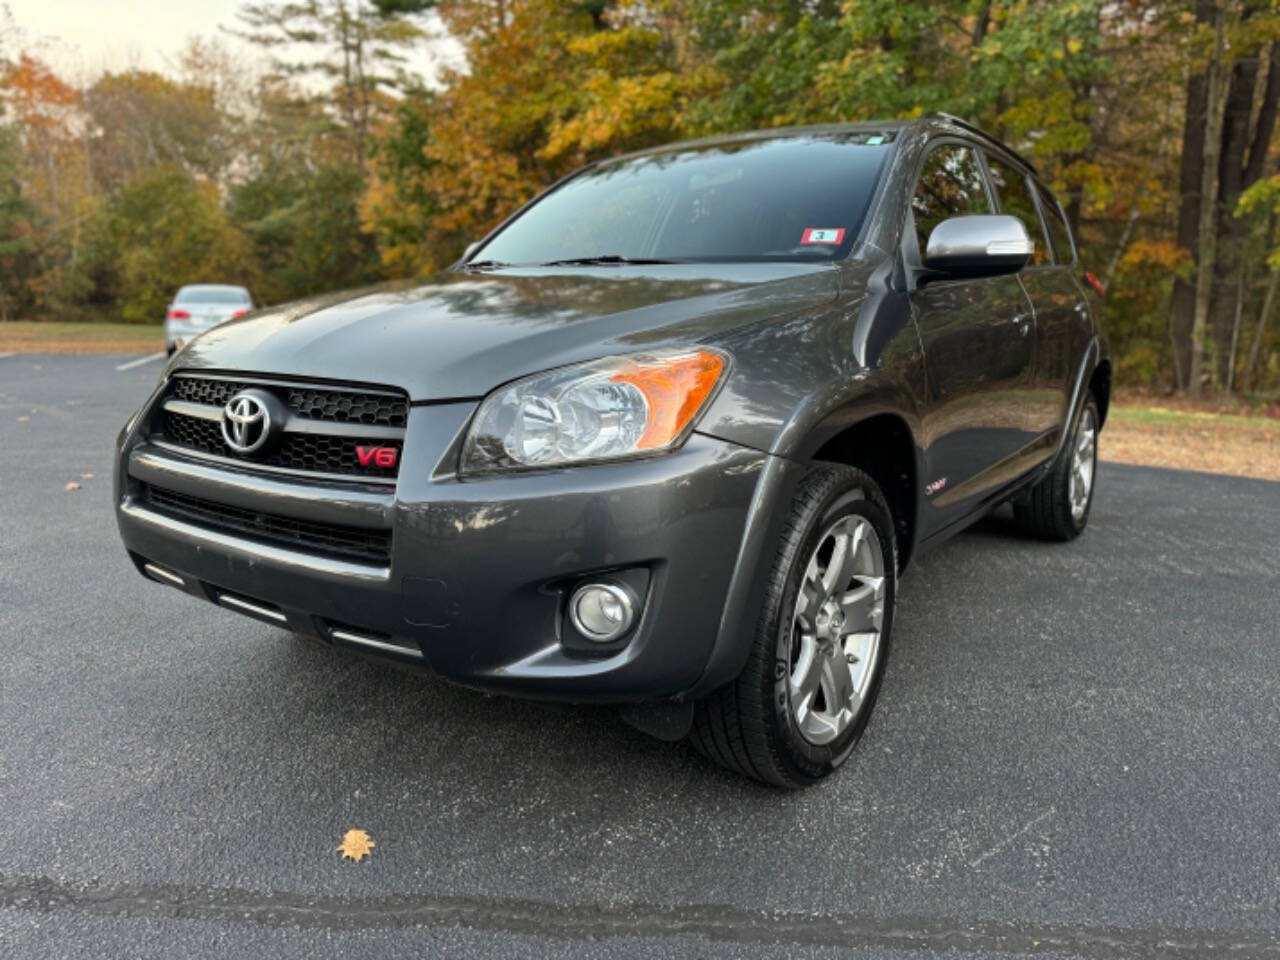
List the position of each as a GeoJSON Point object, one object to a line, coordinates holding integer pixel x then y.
{"type": "Point", "coordinates": [981, 245]}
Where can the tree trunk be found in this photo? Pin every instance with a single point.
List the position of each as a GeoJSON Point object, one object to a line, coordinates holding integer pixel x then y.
{"type": "Point", "coordinates": [1232, 231]}
{"type": "Point", "coordinates": [1113, 264]}
{"type": "Point", "coordinates": [1235, 331]}
{"type": "Point", "coordinates": [1190, 175]}
{"type": "Point", "coordinates": [1208, 206]}
{"type": "Point", "coordinates": [1266, 124]}
{"type": "Point", "coordinates": [981, 23]}
{"type": "Point", "coordinates": [1255, 348]}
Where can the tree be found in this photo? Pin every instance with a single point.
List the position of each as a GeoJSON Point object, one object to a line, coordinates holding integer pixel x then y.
{"type": "Point", "coordinates": [399, 203]}
{"type": "Point", "coordinates": [167, 228]}
{"type": "Point", "coordinates": [549, 86]}
{"type": "Point", "coordinates": [15, 226]}
{"type": "Point", "coordinates": [141, 120]}
{"type": "Point", "coordinates": [54, 182]}
{"type": "Point", "coordinates": [304, 228]}
{"type": "Point", "coordinates": [355, 45]}
{"type": "Point", "coordinates": [1248, 122]}
{"type": "Point", "coordinates": [1226, 139]}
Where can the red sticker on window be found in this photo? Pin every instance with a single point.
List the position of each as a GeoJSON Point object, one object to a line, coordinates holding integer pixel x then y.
{"type": "Point", "coordinates": [830, 235]}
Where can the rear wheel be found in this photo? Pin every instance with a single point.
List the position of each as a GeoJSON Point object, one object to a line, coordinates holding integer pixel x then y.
{"type": "Point", "coordinates": [800, 705]}
{"type": "Point", "coordinates": [1057, 507]}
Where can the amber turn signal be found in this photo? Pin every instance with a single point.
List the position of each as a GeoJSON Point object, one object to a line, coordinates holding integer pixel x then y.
{"type": "Point", "coordinates": [675, 389]}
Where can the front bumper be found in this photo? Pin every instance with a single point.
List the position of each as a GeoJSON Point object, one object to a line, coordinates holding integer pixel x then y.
{"type": "Point", "coordinates": [479, 569]}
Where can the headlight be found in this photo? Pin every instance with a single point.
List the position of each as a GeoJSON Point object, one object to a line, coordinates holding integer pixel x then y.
{"type": "Point", "coordinates": [605, 410]}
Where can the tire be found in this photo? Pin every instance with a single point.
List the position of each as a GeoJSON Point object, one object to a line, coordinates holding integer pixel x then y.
{"type": "Point", "coordinates": [773, 723]}
{"type": "Point", "coordinates": [1048, 511]}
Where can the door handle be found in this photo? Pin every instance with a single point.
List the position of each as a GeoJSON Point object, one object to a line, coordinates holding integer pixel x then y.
{"type": "Point", "coordinates": [1023, 322]}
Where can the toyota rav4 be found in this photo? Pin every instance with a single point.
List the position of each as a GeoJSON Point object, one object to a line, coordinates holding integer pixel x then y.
{"type": "Point", "coordinates": [665, 438]}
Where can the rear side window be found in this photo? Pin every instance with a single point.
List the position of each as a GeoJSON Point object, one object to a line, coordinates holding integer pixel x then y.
{"type": "Point", "coordinates": [1057, 227]}
{"type": "Point", "coordinates": [1014, 194]}
{"type": "Point", "coordinates": [950, 185]}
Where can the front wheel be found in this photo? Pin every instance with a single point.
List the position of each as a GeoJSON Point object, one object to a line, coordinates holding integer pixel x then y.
{"type": "Point", "coordinates": [800, 705]}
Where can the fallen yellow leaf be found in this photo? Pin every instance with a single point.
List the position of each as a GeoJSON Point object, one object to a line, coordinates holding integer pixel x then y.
{"type": "Point", "coordinates": [356, 845]}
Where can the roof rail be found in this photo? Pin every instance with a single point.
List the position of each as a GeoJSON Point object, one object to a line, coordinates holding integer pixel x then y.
{"type": "Point", "coordinates": [975, 129]}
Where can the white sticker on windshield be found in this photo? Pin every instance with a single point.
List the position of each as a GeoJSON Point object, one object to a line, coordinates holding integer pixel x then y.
{"type": "Point", "coordinates": [831, 235]}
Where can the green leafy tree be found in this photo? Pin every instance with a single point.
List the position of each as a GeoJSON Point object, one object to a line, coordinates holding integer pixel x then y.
{"type": "Point", "coordinates": [168, 229]}
{"type": "Point", "coordinates": [15, 226]}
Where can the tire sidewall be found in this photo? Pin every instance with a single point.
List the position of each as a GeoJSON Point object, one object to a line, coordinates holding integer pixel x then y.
{"type": "Point", "coordinates": [813, 761]}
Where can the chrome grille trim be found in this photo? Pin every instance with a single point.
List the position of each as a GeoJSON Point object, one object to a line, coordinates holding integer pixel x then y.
{"type": "Point", "coordinates": [239, 463]}
{"type": "Point", "coordinates": [372, 643]}
{"type": "Point", "coordinates": [244, 606]}
{"type": "Point", "coordinates": [166, 576]}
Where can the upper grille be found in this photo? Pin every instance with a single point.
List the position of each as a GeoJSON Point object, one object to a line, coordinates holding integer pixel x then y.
{"type": "Point", "coordinates": [344, 407]}
{"type": "Point", "coordinates": [317, 450]}
{"type": "Point", "coordinates": [314, 403]}
{"type": "Point", "coordinates": [324, 538]}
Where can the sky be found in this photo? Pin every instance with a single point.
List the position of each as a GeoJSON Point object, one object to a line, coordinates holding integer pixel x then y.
{"type": "Point", "coordinates": [81, 38]}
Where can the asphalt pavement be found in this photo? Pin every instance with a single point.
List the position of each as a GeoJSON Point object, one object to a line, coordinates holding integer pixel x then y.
{"type": "Point", "coordinates": [1075, 754]}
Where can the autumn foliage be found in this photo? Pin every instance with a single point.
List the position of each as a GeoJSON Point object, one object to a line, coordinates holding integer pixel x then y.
{"type": "Point", "coordinates": [334, 166]}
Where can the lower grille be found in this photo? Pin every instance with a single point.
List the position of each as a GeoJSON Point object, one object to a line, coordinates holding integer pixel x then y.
{"type": "Point", "coordinates": [329, 539]}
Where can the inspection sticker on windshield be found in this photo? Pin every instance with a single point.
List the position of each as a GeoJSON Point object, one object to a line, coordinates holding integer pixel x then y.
{"type": "Point", "coordinates": [831, 235]}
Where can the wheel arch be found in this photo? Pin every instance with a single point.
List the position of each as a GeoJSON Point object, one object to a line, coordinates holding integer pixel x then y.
{"type": "Point", "coordinates": [883, 446]}
{"type": "Point", "coordinates": [1100, 387]}
{"type": "Point", "coordinates": [844, 436]}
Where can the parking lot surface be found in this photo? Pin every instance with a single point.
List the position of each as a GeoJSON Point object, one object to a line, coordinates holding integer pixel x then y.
{"type": "Point", "coordinates": [1074, 754]}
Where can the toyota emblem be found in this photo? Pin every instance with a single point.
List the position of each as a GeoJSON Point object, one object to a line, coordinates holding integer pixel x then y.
{"type": "Point", "coordinates": [245, 423]}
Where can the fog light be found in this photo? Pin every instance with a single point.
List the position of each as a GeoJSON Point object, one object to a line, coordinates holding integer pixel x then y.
{"type": "Point", "coordinates": [601, 611]}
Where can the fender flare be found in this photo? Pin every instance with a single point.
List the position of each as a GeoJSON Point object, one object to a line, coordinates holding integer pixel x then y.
{"type": "Point", "coordinates": [779, 477]}
{"type": "Point", "coordinates": [1079, 390]}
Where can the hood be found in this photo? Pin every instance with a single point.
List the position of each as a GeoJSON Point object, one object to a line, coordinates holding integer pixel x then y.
{"type": "Point", "coordinates": [459, 335]}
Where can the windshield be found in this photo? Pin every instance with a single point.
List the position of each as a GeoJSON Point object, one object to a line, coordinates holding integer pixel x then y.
{"type": "Point", "coordinates": [789, 198]}
{"type": "Point", "coordinates": [212, 294]}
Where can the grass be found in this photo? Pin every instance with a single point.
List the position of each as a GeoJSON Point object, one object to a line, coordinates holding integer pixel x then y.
{"type": "Point", "coordinates": [22, 336]}
{"type": "Point", "coordinates": [1159, 416]}
{"type": "Point", "coordinates": [1187, 436]}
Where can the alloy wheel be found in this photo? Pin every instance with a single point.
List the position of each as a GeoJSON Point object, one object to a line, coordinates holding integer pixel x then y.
{"type": "Point", "coordinates": [836, 629]}
{"type": "Point", "coordinates": [1083, 464]}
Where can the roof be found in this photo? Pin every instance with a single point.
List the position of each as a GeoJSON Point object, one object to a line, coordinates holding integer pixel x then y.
{"type": "Point", "coordinates": [773, 133]}
{"type": "Point", "coordinates": [866, 126]}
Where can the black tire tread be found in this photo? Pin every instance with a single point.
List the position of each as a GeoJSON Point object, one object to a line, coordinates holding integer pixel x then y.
{"type": "Point", "coordinates": [733, 727]}
{"type": "Point", "coordinates": [1045, 512]}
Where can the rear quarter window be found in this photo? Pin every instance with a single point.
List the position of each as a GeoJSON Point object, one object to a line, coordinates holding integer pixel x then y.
{"type": "Point", "coordinates": [1063, 250]}
{"type": "Point", "coordinates": [1014, 193]}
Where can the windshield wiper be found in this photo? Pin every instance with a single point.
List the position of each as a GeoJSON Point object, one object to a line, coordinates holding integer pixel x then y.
{"type": "Point", "coordinates": [606, 258]}
{"type": "Point", "coordinates": [484, 265]}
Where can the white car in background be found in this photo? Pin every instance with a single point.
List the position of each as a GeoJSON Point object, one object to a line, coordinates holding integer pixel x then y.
{"type": "Point", "coordinates": [200, 306]}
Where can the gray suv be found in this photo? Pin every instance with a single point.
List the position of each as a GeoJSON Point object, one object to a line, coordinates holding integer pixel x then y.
{"type": "Point", "coordinates": [666, 438]}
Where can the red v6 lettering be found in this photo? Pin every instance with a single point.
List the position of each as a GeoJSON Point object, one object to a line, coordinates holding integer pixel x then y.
{"type": "Point", "coordinates": [384, 457]}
